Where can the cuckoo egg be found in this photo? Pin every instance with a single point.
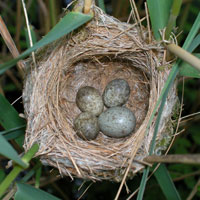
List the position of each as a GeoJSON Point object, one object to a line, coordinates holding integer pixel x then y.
{"type": "Point", "coordinates": [117, 122]}
{"type": "Point", "coordinates": [88, 99]}
{"type": "Point", "coordinates": [116, 93]}
{"type": "Point", "coordinates": [86, 126]}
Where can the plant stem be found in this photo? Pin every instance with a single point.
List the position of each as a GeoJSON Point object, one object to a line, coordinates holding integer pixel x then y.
{"type": "Point", "coordinates": [184, 55]}
{"type": "Point", "coordinates": [37, 176]}
{"type": "Point", "coordinates": [30, 153]}
{"type": "Point", "coordinates": [186, 159]}
{"type": "Point", "coordinates": [173, 73]}
{"type": "Point", "coordinates": [87, 6]}
{"type": "Point", "coordinates": [172, 18]}
{"type": "Point", "coordinates": [52, 6]}
{"type": "Point", "coordinates": [194, 191]}
{"type": "Point", "coordinates": [9, 179]}
{"type": "Point", "coordinates": [11, 45]}
{"type": "Point", "coordinates": [17, 169]}
{"type": "Point", "coordinates": [31, 172]}
{"type": "Point", "coordinates": [101, 5]}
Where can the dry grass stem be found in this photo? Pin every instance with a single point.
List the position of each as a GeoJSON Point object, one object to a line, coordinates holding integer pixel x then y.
{"type": "Point", "coordinates": [191, 115]}
{"type": "Point", "coordinates": [195, 173]}
{"type": "Point", "coordinates": [184, 55]}
{"type": "Point", "coordinates": [11, 45]}
{"type": "Point", "coordinates": [85, 191]}
{"type": "Point", "coordinates": [87, 6]}
{"type": "Point", "coordinates": [29, 32]}
{"type": "Point", "coordinates": [185, 159]}
{"type": "Point", "coordinates": [194, 191]}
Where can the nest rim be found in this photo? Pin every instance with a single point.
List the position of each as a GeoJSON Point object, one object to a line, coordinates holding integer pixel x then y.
{"type": "Point", "coordinates": [110, 166]}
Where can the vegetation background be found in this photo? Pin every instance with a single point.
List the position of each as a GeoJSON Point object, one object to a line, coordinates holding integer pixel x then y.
{"type": "Point", "coordinates": [43, 15]}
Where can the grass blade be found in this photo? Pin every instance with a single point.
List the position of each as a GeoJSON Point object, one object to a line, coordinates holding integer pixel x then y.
{"type": "Point", "coordinates": [172, 19]}
{"type": "Point", "coordinates": [159, 14]}
{"type": "Point", "coordinates": [52, 6]}
{"type": "Point", "coordinates": [194, 30]}
{"type": "Point", "coordinates": [2, 175]}
{"type": "Point", "coordinates": [17, 169]}
{"type": "Point", "coordinates": [68, 23]}
{"type": "Point", "coordinates": [38, 174]}
{"type": "Point", "coordinates": [143, 183]}
{"type": "Point", "coordinates": [33, 36]}
{"type": "Point", "coordinates": [163, 177]}
{"type": "Point", "coordinates": [163, 96]}
{"type": "Point", "coordinates": [168, 85]}
{"type": "Point", "coordinates": [195, 43]}
{"type": "Point", "coordinates": [9, 119]}
{"type": "Point", "coordinates": [191, 44]}
{"type": "Point", "coordinates": [101, 5]}
{"type": "Point", "coordinates": [25, 192]}
{"type": "Point", "coordinates": [188, 70]}
{"type": "Point", "coordinates": [31, 172]}
{"type": "Point", "coordinates": [13, 133]}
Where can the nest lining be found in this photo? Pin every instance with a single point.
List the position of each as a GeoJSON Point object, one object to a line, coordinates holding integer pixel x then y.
{"type": "Point", "coordinates": [99, 52]}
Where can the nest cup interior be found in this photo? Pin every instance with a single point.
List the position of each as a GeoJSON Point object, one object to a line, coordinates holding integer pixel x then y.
{"type": "Point", "coordinates": [92, 56]}
{"type": "Point", "coordinates": [98, 74]}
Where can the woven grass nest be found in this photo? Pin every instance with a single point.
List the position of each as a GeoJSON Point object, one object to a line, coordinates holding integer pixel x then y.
{"type": "Point", "coordinates": [102, 50]}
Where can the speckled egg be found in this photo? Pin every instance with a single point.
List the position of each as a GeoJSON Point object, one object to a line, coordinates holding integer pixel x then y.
{"type": "Point", "coordinates": [86, 126]}
{"type": "Point", "coordinates": [117, 122]}
{"type": "Point", "coordinates": [88, 99]}
{"type": "Point", "coordinates": [116, 93]}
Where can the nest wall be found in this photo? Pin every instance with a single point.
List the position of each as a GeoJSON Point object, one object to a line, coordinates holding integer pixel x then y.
{"type": "Point", "coordinates": [97, 53]}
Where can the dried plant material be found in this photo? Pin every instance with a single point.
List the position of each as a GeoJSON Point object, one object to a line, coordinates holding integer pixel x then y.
{"type": "Point", "coordinates": [103, 50]}
{"type": "Point", "coordinates": [11, 45]}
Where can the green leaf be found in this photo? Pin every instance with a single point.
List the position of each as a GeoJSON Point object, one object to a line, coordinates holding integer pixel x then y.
{"type": "Point", "coordinates": [33, 36]}
{"type": "Point", "coordinates": [13, 133]}
{"type": "Point", "coordinates": [8, 151]}
{"type": "Point", "coordinates": [17, 169]}
{"type": "Point", "coordinates": [2, 175]}
{"type": "Point", "coordinates": [38, 174]}
{"type": "Point", "coordinates": [194, 30]}
{"type": "Point", "coordinates": [195, 43]}
{"type": "Point", "coordinates": [162, 98]}
{"type": "Point", "coordinates": [52, 13]}
{"type": "Point", "coordinates": [143, 183]}
{"type": "Point", "coordinates": [172, 18]}
{"type": "Point", "coordinates": [159, 11]}
{"type": "Point", "coordinates": [190, 44]}
{"type": "Point", "coordinates": [101, 5]}
{"type": "Point", "coordinates": [27, 192]}
{"type": "Point", "coordinates": [189, 71]}
{"type": "Point", "coordinates": [32, 172]}
{"type": "Point", "coordinates": [183, 146]}
{"type": "Point", "coordinates": [68, 23]}
{"type": "Point", "coordinates": [9, 119]}
{"type": "Point", "coordinates": [163, 177]}
{"type": "Point", "coordinates": [194, 130]}
{"type": "Point", "coordinates": [190, 182]}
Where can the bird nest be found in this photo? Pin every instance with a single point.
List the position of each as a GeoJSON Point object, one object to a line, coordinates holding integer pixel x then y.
{"type": "Point", "coordinates": [100, 51]}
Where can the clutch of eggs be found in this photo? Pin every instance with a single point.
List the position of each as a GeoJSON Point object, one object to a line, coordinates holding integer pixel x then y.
{"type": "Point", "coordinates": [115, 122]}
